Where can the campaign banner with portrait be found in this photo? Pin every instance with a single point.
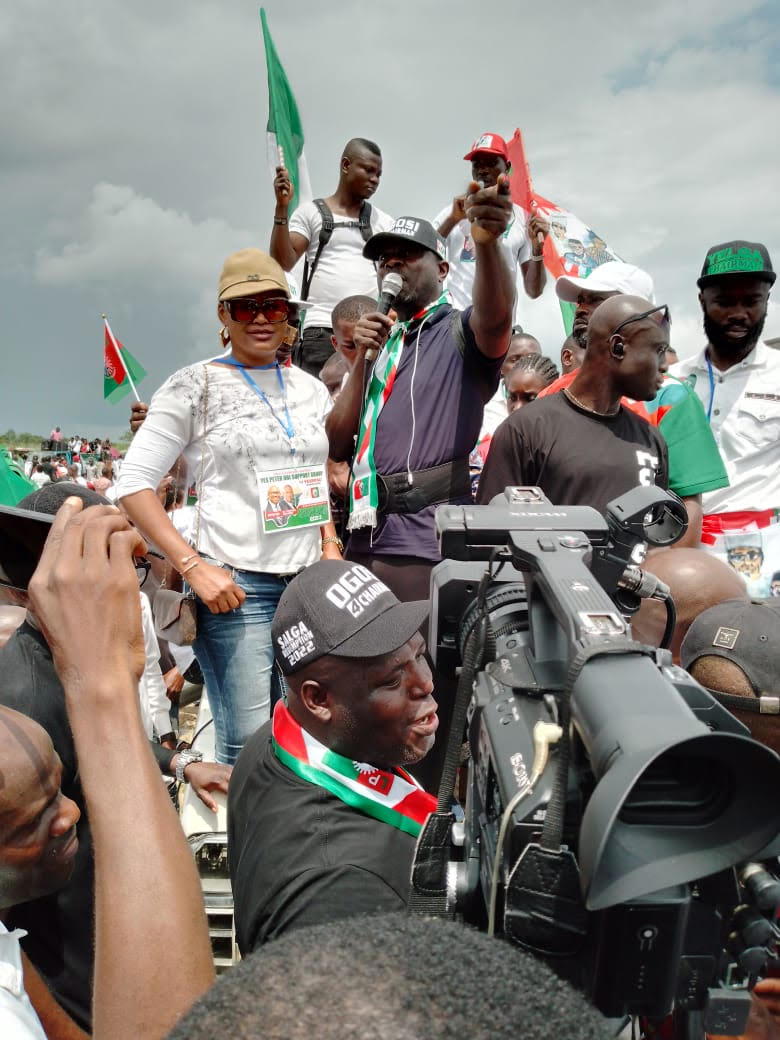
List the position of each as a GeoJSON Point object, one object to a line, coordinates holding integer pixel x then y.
{"type": "Point", "coordinates": [750, 543]}
{"type": "Point", "coordinates": [572, 247]}
{"type": "Point", "coordinates": [294, 498]}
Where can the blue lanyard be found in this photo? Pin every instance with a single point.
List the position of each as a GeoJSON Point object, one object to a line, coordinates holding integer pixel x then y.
{"type": "Point", "coordinates": [712, 386]}
{"type": "Point", "coordinates": [287, 424]}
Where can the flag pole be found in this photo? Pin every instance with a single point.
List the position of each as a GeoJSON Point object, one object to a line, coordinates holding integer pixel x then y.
{"type": "Point", "coordinates": [119, 355]}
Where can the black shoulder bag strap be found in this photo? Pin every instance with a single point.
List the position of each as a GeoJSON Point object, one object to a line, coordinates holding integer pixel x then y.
{"type": "Point", "coordinates": [364, 220]}
{"type": "Point", "coordinates": [325, 233]}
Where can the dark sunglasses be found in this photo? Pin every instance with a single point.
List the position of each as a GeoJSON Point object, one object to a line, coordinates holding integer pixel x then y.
{"type": "Point", "coordinates": [660, 315]}
{"type": "Point", "coordinates": [246, 308]}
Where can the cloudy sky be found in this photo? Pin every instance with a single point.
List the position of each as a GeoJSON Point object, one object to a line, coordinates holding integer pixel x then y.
{"type": "Point", "coordinates": [133, 152]}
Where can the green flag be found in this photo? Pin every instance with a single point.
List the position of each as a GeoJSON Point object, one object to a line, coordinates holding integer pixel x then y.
{"type": "Point", "coordinates": [284, 129]}
{"type": "Point", "coordinates": [14, 485]}
{"type": "Point", "coordinates": [121, 372]}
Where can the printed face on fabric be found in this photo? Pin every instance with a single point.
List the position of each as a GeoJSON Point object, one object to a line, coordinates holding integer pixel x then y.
{"type": "Point", "coordinates": [38, 842]}
{"type": "Point", "coordinates": [384, 712]}
{"type": "Point", "coordinates": [254, 342]}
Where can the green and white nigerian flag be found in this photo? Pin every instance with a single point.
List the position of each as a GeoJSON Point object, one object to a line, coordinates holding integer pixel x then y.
{"type": "Point", "coordinates": [284, 129]}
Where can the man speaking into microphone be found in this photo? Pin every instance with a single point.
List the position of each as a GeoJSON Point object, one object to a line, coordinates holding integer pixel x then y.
{"type": "Point", "coordinates": [411, 411]}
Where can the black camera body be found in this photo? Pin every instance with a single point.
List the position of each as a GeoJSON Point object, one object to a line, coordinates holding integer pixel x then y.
{"type": "Point", "coordinates": [612, 850]}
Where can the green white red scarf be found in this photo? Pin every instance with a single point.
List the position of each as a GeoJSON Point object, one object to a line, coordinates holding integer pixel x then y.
{"type": "Point", "coordinates": [364, 490]}
{"type": "Point", "coordinates": [392, 797]}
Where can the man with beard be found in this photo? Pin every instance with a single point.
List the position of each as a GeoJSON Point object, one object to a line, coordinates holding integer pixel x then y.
{"type": "Point", "coordinates": [521, 243]}
{"type": "Point", "coordinates": [737, 379]}
{"type": "Point", "coordinates": [331, 233]}
{"type": "Point", "coordinates": [582, 446]}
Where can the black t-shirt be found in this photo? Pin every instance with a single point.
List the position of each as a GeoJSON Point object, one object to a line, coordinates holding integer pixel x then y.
{"type": "Point", "coordinates": [300, 856]}
{"type": "Point", "coordinates": [575, 457]}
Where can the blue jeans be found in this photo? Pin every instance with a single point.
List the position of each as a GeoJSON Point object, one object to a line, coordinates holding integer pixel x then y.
{"type": "Point", "coordinates": [235, 653]}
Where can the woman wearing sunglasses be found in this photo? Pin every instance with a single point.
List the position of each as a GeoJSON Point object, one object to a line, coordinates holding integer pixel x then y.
{"type": "Point", "coordinates": [242, 423]}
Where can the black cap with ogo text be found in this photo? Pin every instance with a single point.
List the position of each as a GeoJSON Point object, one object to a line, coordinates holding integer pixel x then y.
{"type": "Point", "coordinates": [340, 608]}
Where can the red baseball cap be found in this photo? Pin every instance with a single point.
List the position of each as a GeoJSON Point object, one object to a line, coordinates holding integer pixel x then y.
{"type": "Point", "coordinates": [492, 143]}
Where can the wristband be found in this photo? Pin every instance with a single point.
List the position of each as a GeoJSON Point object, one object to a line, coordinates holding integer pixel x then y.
{"type": "Point", "coordinates": [333, 540]}
{"type": "Point", "coordinates": [189, 566]}
{"type": "Point", "coordinates": [537, 258]}
{"type": "Point", "coordinates": [280, 220]}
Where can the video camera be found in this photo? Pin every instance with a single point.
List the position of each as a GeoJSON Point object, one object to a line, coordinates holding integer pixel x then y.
{"type": "Point", "coordinates": [612, 804]}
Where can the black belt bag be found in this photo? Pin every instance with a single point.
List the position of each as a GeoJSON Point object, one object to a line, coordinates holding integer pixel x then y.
{"type": "Point", "coordinates": [429, 487]}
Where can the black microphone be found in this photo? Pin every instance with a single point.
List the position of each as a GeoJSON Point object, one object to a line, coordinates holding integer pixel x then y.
{"type": "Point", "coordinates": [391, 286]}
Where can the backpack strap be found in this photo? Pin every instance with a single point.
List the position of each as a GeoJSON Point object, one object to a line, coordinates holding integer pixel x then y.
{"type": "Point", "coordinates": [325, 234]}
{"type": "Point", "coordinates": [364, 220]}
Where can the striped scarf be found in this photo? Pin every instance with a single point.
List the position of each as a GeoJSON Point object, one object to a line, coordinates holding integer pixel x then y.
{"type": "Point", "coordinates": [364, 491]}
{"type": "Point", "coordinates": [393, 797]}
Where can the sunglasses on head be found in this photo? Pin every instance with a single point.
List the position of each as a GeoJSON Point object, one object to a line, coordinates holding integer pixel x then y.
{"type": "Point", "coordinates": [660, 315]}
{"type": "Point", "coordinates": [246, 308]}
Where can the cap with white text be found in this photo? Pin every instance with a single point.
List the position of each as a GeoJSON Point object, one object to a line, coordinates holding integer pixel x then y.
{"type": "Point", "coordinates": [407, 229]}
{"type": "Point", "coordinates": [493, 144]}
{"type": "Point", "coordinates": [339, 608]}
{"type": "Point", "coordinates": [611, 277]}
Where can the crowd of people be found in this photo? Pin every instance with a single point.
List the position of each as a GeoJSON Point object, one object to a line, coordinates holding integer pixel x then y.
{"type": "Point", "coordinates": [319, 443]}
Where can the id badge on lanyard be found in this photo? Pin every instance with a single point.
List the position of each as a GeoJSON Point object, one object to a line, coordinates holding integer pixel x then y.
{"type": "Point", "coordinates": [294, 498]}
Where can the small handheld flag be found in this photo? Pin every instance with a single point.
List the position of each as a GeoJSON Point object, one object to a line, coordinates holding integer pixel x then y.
{"type": "Point", "coordinates": [284, 128]}
{"type": "Point", "coordinates": [121, 371]}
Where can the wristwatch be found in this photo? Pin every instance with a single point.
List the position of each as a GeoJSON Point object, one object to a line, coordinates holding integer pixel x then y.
{"type": "Point", "coordinates": [185, 759]}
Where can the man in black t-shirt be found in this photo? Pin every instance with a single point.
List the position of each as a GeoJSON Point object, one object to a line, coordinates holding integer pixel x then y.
{"type": "Point", "coordinates": [322, 819]}
{"type": "Point", "coordinates": [581, 446]}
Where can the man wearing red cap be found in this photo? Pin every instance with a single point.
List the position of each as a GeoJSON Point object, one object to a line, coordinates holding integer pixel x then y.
{"type": "Point", "coordinates": [521, 243]}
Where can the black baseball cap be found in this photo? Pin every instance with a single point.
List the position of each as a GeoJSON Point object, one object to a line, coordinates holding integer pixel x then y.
{"type": "Point", "coordinates": [747, 634]}
{"type": "Point", "coordinates": [736, 257]}
{"type": "Point", "coordinates": [407, 229]}
{"type": "Point", "coordinates": [339, 608]}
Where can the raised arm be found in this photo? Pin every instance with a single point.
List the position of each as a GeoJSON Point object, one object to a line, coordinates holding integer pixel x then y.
{"type": "Point", "coordinates": [85, 594]}
{"type": "Point", "coordinates": [493, 295]}
{"type": "Point", "coordinates": [285, 248]}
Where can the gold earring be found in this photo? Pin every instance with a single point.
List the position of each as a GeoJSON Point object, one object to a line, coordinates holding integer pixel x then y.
{"type": "Point", "coordinates": [224, 337]}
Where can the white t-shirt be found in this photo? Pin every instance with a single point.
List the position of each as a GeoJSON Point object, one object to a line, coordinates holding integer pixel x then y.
{"type": "Point", "coordinates": [342, 269]}
{"type": "Point", "coordinates": [40, 478]}
{"type": "Point", "coordinates": [460, 253]}
{"type": "Point", "coordinates": [155, 706]}
{"type": "Point", "coordinates": [745, 419]}
{"type": "Point", "coordinates": [243, 440]}
{"type": "Point", "coordinates": [18, 1020]}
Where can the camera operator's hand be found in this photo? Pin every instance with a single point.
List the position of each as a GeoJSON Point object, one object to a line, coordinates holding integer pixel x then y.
{"type": "Point", "coordinates": [764, 1021]}
{"type": "Point", "coordinates": [371, 332]}
{"type": "Point", "coordinates": [85, 593]}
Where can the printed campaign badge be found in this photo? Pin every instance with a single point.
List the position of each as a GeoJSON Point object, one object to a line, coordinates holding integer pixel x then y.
{"type": "Point", "coordinates": [294, 498]}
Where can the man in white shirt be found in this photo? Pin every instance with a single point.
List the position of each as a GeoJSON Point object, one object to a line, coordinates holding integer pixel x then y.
{"type": "Point", "coordinates": [335, 265]}
{"type": "Point", "coordinates": [521, 243]}
{"type": "Point", "coordinates": [737, 379]}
